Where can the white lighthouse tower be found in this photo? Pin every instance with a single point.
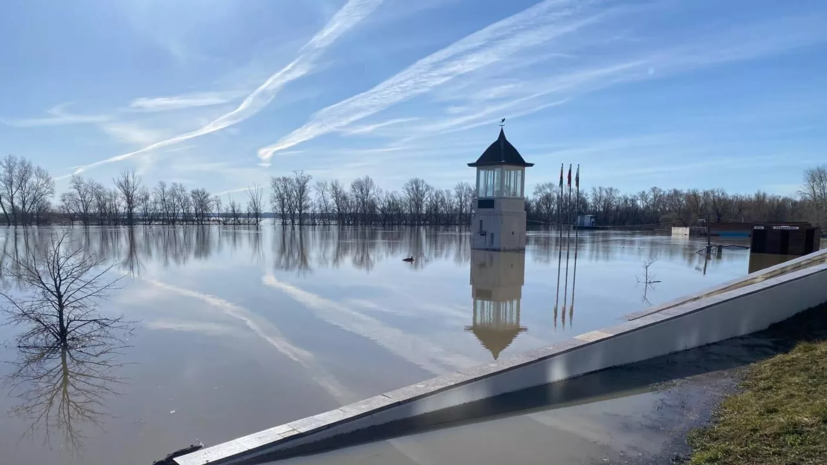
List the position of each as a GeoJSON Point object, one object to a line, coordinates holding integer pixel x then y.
{"type": "Point", "coordinates": [499, 220]}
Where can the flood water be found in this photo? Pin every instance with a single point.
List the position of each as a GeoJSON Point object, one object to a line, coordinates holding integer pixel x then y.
{"type": "Point", "coordinates": [237, 330]}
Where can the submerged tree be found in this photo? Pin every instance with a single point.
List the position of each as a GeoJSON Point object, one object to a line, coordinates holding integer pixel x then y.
{"type": "Point", "coordinates": [68, 350]}
{"type": "Point", "coordinates": [61, 309]}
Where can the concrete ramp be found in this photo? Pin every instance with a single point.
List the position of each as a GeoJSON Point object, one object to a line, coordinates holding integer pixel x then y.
{"type": "Point", "coordinates": [734, 309]}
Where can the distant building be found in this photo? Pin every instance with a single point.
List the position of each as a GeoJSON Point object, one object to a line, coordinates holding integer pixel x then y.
{"type": "Point", "coordinates": [586, 221]}
{"type": "Point", "coordinates": [497, 280]}
{"type": "Point", "coordinates": [499, 221]}
{"type": "Point", "coordinates": [744, 229]}
{"type": "Point", "coordinates": [774, 243]}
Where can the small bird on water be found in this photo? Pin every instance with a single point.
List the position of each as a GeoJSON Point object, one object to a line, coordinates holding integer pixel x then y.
{"type": "Point", "coordinates": [409, 259]}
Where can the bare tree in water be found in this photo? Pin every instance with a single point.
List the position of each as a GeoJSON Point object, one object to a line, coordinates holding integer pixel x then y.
{"type": "Point", "coordinates": [68, 350]}
{"type": "Point", "coordinates": [255, 204]}
{"type": "Point", "coordinates": [129, 185]}
{"type": "Point", "coordinates": [65, 285]}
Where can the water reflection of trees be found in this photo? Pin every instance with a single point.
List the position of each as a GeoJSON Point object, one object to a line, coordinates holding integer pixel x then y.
{"type": "Point", "coordinates": [303, 249]}
{"type": "Point", "coordinates": [299, 249]}
{"type": "Point", "coordinates": [64, 390]}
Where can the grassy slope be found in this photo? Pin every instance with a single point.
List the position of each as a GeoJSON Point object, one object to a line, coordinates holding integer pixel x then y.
{"type": "Point", "coordinates": [780, 417]}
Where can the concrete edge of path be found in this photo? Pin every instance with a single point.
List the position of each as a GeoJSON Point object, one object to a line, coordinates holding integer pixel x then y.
{"type": "Point", "coordinates": [730, 312]}
{"type": "Point", "coordinates": [754, 278]}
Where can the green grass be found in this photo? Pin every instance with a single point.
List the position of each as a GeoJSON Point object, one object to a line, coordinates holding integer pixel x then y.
{"type": "Point", "coordinates": [780, 416]}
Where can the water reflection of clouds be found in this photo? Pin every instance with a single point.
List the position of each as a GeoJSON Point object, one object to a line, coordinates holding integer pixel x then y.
{"type": "Point", "coordinates": [421, 351]}
{"type": "Point", "coordinates": [271, 334]}
{"type": "Point", "coordinates": [214, 329]}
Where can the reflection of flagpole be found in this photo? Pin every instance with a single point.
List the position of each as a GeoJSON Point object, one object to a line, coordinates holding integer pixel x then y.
{"type": "Point", "coordinates": [559, 243]}
{"type": "Point", "coordinates": [568, 248]}
{"type": "Point", "coordinates": [576, 216]}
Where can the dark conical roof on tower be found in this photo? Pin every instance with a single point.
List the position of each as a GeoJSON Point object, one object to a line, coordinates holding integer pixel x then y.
{"type": "Point", "coordinates": [501, 152]}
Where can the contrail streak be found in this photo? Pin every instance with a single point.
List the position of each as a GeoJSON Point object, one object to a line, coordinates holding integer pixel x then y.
{"type": "Point", "coordinates": [346, 18]}
{"type": "Point", "coordinates": [530, 27]}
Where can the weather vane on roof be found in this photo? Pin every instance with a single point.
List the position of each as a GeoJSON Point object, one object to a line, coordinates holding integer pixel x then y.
{"type": "Point", "coordinates": [502, 122]}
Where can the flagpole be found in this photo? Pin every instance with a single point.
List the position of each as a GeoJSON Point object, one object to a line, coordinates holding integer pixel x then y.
{"type": "Point", "coordinates": [577, 217]}
{"type": "Point", "coordinates": [568, 247]}
{"type": "Point", "coordinates": [559, 243]}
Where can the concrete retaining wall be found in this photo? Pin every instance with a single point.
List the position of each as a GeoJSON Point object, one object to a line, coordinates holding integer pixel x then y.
{"type": "Point", "coordinates": [724, 315]}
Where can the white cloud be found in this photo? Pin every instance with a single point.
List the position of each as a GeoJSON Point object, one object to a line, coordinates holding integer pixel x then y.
{"type": "Point", "coordinates": [533, 26]}
{"type": "Point", "coordinates": [131, 133]}
{"type": "Point", "coordinates": [58, 117]}
{"type": "Point", "coordinates": [346, 18]}
{"type": "Point", "coordinates": [584, 60]}
{"type": "Point", "coordinates": [372, 127]}
{"type": "Point", "coordinates": [182, 101]}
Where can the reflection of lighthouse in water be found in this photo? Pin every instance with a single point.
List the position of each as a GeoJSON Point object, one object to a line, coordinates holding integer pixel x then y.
{"type": "Point", "coordinates": [496, 286]}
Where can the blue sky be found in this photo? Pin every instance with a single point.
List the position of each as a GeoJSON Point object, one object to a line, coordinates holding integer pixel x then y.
{"type": "Point", "coordinates": [224, 93]}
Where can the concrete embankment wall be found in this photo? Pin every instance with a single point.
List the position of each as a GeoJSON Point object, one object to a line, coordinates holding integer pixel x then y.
{"type": "Point", "coordinates": [725, 314]}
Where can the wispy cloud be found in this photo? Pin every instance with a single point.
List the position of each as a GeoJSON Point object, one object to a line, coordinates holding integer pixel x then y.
{"type": "Point", "coordinates": [560, 54]}
{"type": "Point", "coordinates": [131, 133]}
{"type": "Point", "coordinates": [234, 191]}
{"type": "Point", "coordinates": [349, 16]}
{"type": "Point", "coordinates": [182, 101]}
{"type": "Point", "coordinates": [368, 128]}
{"type": "Point", "coordinates": [58, 116]}
{"type": "Point", "coordinates": [533, 26]}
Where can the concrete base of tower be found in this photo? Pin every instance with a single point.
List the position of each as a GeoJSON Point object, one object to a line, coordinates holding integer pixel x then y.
{"type": "Point", "coordinates": [498, 230]}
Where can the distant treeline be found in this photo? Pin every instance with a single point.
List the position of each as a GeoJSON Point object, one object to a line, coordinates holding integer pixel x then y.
{"type": "Point", "coordinates": [675, 207]}
{"type": "Point", "coordinates": [26, 192]}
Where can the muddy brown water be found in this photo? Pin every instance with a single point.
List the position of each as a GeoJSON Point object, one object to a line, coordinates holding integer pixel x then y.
{"type": "Point", "coordinates": [241, 329]}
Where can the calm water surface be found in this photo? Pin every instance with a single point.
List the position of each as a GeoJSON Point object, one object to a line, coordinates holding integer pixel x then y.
{"type": "Point", "coordinates": [238, 330]}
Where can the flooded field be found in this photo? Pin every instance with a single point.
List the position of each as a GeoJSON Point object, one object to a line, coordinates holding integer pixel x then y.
{"type": "Point", "coordinates": [238, 330]}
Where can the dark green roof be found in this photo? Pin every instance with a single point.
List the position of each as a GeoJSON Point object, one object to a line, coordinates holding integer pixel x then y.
{"type": "Point", "coordinates": [501, 152]}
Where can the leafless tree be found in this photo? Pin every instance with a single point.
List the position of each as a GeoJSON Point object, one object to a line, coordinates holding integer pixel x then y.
{"type": "Point", "coordinates": [128, 184]}
{"type": "Point", "coordinates": [464, 198]}
{"type": "Point", "coordinates": [25, 190]}
{"type": "Point", "coordinates": [280, 196]}
{"type": "Point", "coordinates": [323, 201]}
{"type": "Point", "coordinates": [216, 203]}
{"type": "Point", "coordinates": [255, 203]}
{"type": "Point", "coordinates": [147, 205]}
{"type": "Point", "coordinates": [649, 279]}
{"type": "Point", "coordinates": [233, 211]}
{"type": "Point", "coordinates": [69, 205]}
{"type": "Point", "coordinates": [101, 202]}
{"type": "Point", "coordinates": [9, 186]}
{"type": "Point", "coordinates": [202, 205]}
{"type": "Point", "coordinates": [815, 191]}
{"type": "Point", "coordinates": [363, 192]}
{"type": "Point", "coordinates": [301, 193]}
{"type": "Point", "coordinates": [67, 364]}
{"type": "Point", "coordinates": [416, 193]}
{"type": "Point", "coordinates": [65, 284]}
{"type": "Point", "coordinates": [341, 201]}
{"type": "Point", "coordinates": [161, 194]}
{"type": "Point", "coordinates": [84, 193]}
{"type": "Point", "coordinates": [180, 200]}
